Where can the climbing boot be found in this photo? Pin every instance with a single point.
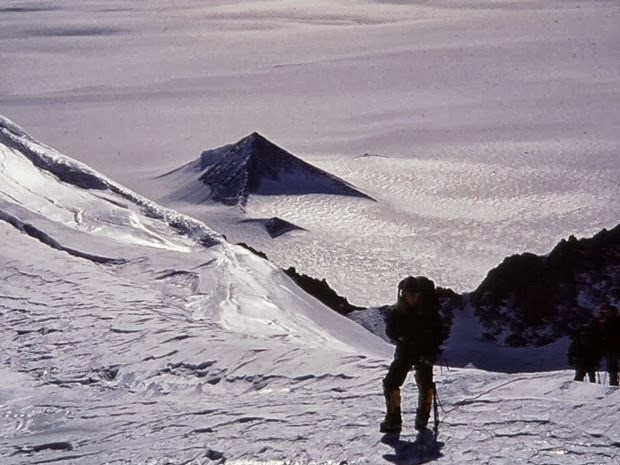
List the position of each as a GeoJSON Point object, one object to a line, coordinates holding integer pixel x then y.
{"type": "Point", "coordinates": [393, 419]}
{"type": "Point", "coordinates": [425, 403]}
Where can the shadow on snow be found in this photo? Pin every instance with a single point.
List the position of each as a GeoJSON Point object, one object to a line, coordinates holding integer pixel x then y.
{"type": "Point", "coordinates": [425, 448]}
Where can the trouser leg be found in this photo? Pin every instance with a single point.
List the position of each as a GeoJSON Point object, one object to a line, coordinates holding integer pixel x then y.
{"type": "Point", "coordinates": [592, 375]}
{"type": "Point", "coordinates": [424, 381]}
{"type": "Point", "coordinates": [612, 369]}
{"type": "Point", "coordinates": [580, 374]}
{"type": "Point", "coordinates": [397, 373]}
{"type": "Point", "coordinates": [394, 379]}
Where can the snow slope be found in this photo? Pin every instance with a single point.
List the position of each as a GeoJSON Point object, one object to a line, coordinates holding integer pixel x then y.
{"type": "Point", "coordinates": [135, 305]}
{"type": "Point", "coordinates": [172, 351]}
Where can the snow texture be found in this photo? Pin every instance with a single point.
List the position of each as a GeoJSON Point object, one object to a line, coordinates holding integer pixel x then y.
{"type": "Point", "coordinates": [185, 354]}
{"type": "Point", "coordinates": [16, 148]}
{"type": "Point", "coordinates": [489, 128]}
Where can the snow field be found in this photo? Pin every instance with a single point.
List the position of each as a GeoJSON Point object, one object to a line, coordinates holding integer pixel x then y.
{"type": "Point", "coordinates": [497, 121]}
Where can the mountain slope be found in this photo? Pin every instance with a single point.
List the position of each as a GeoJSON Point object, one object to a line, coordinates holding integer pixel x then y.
{"type": "Point", "coordinates": [107, 301]}
{"type": "Point", "coordinates": [532, 300]}
{"type": "Point", "coordinates": [520, 317]}
{"type": "Point", "coordinates": [253, 165]}
{"type": "Point", "coordinates": [91, 213]}
{"type": "Point", "coordinates": [45, 182]}
{"type": "Point", "coordinates": [173, 352]}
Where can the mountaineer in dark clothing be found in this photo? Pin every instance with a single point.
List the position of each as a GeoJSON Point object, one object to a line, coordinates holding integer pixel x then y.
{"type": "Point", "coordinates": [609, 331]}
{"type": "Point", "coordinates": [585, 352]}
{"type": "Point", "coordinates": [415, 327]}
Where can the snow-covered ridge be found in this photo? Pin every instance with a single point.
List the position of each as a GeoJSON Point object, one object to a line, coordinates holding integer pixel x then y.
{"type": "Point", "coordinates": [107, 313]}
{"type": "Point", "coordinates": [49, 196]}
{"type": "Point", "coordinates": [253, 165]}
{"type": "Point", "coordinates": [14, 139]}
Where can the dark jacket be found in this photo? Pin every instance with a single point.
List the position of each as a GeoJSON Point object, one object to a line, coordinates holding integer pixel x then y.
{"type": "Point", "coordinates": [585, 350]}
{"type": "Point", "coordinates": [609, 331]}
{"type": "Point", "coordinates": [416, 331]}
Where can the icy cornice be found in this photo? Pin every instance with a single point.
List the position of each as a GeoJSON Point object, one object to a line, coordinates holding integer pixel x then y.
{"type": "Point", "coordinates": [80, 175]}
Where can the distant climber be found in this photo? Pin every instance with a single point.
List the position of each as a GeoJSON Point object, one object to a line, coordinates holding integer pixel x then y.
{"type": "Point", "coordinates": [609, 332]}
{"type": "Point", "coordinates": [415, 327]}
{"type": "Point", "coordinates": [584, 353]}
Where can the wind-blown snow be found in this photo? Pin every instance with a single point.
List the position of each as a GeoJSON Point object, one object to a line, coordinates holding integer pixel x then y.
{"type": "Point", "coordinates": [186, 354]}
{"type": "Point", "coordinates": [31, 175]}
{"type": "Point", "coordinates": [79, 213]}
{"type": "Point", "coordinates": [496, 129]}
{"type": "Point", "coordinates": [495, 121]}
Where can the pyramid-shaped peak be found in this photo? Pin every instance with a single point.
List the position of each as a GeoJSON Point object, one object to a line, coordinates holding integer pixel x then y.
{"type": "Point", "coordinates": [253, 139]}
{"type": "Point", "coordinates": [256, 136]}
{"type": "Point", "coordinates": [255, 165]}
{"type": "Point", "coordinates": [255, 144]}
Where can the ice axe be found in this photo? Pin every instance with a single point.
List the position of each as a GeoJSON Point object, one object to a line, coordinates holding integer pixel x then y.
{"type": "Point", "coordinates": [435, 411]}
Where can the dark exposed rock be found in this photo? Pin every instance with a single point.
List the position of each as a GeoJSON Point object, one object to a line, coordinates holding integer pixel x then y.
{"type": "Point", "coordinates": [253, 250]}
{"type": "Point", "coordinates": [321, 291]}
{"type": "Point", "coordinates": [533, 300]}
{"type": "Point", "coordinates": [449, 301]}
{"type": "Point", "coordinates": [275, 226]}
{"type": "Point", "coordinates": [253, 165]}
{"type": "Point", "coordinates": [318, 289]}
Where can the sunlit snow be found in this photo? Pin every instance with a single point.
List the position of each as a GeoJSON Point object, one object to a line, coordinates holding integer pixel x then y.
{"type": "Point", "coordinates": [215, 356]}
{"type": "Point", "coordinates": [133, 333]}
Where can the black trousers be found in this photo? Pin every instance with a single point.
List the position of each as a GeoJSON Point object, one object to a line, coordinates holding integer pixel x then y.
{"type": "Point", "coordinates": [404, 360]}
{"type": "Point", "coordinates": [580, 374]}
{"type": "Point", "coordinates": [612, 368]}
{"type": "Point", "coordinates": [400, 368]}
